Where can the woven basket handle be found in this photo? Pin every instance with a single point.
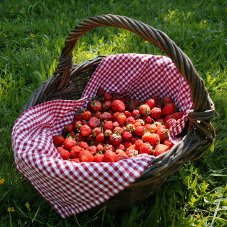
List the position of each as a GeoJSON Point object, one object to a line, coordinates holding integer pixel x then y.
{"type": "Point", "coordinates": [158, 38]}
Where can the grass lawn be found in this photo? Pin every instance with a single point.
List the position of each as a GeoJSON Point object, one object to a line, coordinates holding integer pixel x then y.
{"type": "Point", "coordinates": [32, 34]}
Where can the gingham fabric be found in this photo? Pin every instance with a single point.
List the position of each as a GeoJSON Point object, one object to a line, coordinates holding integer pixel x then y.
{"type": "Point", "coordinates": [72, 187]}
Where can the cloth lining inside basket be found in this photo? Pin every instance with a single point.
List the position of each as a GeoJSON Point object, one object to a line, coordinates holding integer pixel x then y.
{"type": "Point", "coordinates": [72, 187]}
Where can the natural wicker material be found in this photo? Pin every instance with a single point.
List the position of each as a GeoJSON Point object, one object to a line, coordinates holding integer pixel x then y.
{"type": "Point", "coordinates": [70, 80]}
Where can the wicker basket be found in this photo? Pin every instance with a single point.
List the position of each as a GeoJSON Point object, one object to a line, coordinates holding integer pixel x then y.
{"type": "Point", "coordinates": [70, 80]}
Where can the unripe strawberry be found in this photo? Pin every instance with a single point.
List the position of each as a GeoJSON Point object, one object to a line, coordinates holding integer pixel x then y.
{"type": "Point", "coordinates": [130, 127]}
{"type": "Point", "coordinates": [118, 130]}
{"type": "Point", "coordinates": [107, 133]}
{"type": "Point", "coordinates": [131, 151]}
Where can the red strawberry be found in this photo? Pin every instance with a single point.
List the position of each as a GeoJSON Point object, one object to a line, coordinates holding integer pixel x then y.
{"type": "Point", "coordinates": [145, 148]}
{"type": "Point", "coordinates": [83, 144]}
{"type": "Point", "coordinates": [148, 119]}
{"type": "Point", "coordinates": [127, 136]}
{"type": "Point", "coordinates": [151, 103]}
{"type": "Point", "coordinates": [96, 131]}
{"type": "Point", "coordinates": [85, 156]}
{"type": "Point", "coordinates": [116, 124]}
{"type": "Point", "coordinates": [58, 140]}
{"type": "Point", "coordinates": [74, 151]}
{"type": "Point", "coordinates": [130, 120]}
{"type": "Point", "coordinates": [95, 105]}
{"type": "Point", "coordinates": [63, 153]}
{"type": "Point", "coordinates": [77, 125]}
{"type": "Point", "coordinates": [68, 128]}
{"type": "Point", "coordinates": [170, 123]}
{"type": "Point", "coordinates": [144, 109]}
{"type": "Point", "coordinates": [108, 125]}
{"type": "Point", "coordinates": [156, 112]}
{"type": "Point", "coordinates": [168, 109]}
{"type": "Point", "coordinates": [115, 139]}
{"type": "Point", "coordinates": [136, 114]}
{"type": "Point", "coordinates": [121, 147]}
{"type": "Point", "coordinates": [100, 91]}
{"type": "Point", "coordinates": [109, 156]}
{"type": "Point", "coordinates": [100, 137]}
{"type": "Point", "coordinates": [139, 130]}
{"type": "Point", "coordinates": [118, 106]}
{"type": "Point", "coordinates": [92, 149]}
{"type": "Point", "coordinates": [98, 114]}
{"type": "Point", "coordinates": [127, 113]}
{"type": "Point", "coordinates": [168, 143]}
{"type": "Point", "coordinates": [131, 151]}
{"type": "Point", "coordinates": [98, 157]}
{"type": "Point", "coordinates": [69, 143]}
{"type": "Point", "coordinates": [138, 143]}
{"type": "Point", "coordinates": [178, 115]}
{"type": "Point", "coordinates": [107, 96]}
{"type": "Point", "coordinates": [139, 122]}
{"type": "Point", "coordinates": [94, 122]}
{"type": "Point", "coordinates": [99, 147]}
{"type": "Point", "coordinates": [79, 137]}
{"type": "Point", "coordinates": [86, 115]}
{"type": "Point", "coordinates": [107, 105]}
{"type": "Point", "coordinates": [121, 118]}
{"type": "Point", "coordinates": [163, 134]}
{"type": "Point", "coordinates": [118, 130]}
{"type": "Point", "coordinates": [121, 155]}
{"type": "Point", "coordinates": [85, 130]}
{"type": "Point", "coordinates": [106, 116]}
{"type": "Point", "coordinates": [109, 147]}
{"type": "Point", "coordinates": [167, 99]}
{"type": "Point", "coordinates": [127, 144]}
{"type": "Point", "coordinates": [160, 149]}
{"type": "Point", "coordinates": [78, 117]}
{"type": "Point", "coordinates": [151, 138]}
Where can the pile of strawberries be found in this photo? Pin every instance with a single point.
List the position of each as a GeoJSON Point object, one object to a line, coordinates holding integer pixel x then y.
{"type": "Point", "coordinates": [113, 128]}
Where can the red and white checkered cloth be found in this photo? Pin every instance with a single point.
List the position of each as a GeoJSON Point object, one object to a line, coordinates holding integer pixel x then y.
{"type": "Point", "coordinates": [72, 187]}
